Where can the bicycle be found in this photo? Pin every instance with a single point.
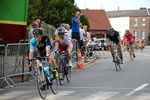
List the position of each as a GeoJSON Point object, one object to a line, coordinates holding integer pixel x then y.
{"type": "Point", "coordinates": [116, 57]}
{"type": "Point", "coordinates": [48, 77]}
{"type": "Point", "coordinates": [130, 50]}
{"type": "Point", "coordinates": [63, 68]}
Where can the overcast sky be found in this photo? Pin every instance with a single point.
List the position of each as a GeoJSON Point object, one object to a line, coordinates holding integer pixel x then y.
{"type": "Point", "coordinates": [110, 5]}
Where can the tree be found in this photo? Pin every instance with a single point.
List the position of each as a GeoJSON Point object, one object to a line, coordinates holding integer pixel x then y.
{"type": "Point", "coordinates": [53, 12]}
{"type": "Point", "coordinates": [149, 38]}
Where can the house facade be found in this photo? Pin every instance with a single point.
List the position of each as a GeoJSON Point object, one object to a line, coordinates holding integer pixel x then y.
{"type": "Point", "coordinates": [98, 21]}
{"type": "Point", "coordinates": [137, 21]}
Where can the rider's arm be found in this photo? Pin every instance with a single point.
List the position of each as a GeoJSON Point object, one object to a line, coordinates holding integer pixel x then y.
{"type": "Point", "coordinates": [57, 38]}
{"type": "Point", "coordinates": [32, 47]}
{"type": "Point", "coordinates": [47, 46]}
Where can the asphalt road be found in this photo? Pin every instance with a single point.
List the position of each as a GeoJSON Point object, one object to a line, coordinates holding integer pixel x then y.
{"type": "Point", "coordinates": [99, 81]}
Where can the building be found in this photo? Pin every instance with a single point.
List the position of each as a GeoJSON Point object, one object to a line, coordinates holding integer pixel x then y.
{"type": "Point", "coordinates": [137, 21]}
{"type": "Point", "coordinates": [98, 21]}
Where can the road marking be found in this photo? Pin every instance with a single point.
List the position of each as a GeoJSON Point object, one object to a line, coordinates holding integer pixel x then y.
{"type": "Point", "coordinates": [51, 96]}
{"type": "Point", "coordinates": [144, 96]}
{"type": "Point", "coordinates": [100, 96]}
{"type": "Point", "coordinates": [137, 89]}
{"type": "Point", "coordinates": [13, 94]}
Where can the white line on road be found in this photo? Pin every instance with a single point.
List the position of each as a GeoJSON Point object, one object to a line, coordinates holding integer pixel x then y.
{"type": "Point", "coordinates": [137, 89]}
{"type": "Point", "coordinates": [101, 96]}
{"type": "Point", "coordinates": [13, 94]}
{"type": "Point", "coordinates": [51, 96]}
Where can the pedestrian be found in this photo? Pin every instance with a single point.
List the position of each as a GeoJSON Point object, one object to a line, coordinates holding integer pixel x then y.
{"type": "Point", "coordinates": [75, 27]}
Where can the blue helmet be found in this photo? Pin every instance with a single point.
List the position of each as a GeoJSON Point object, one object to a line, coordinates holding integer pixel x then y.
{"type": "Point", "coordinates": [38, 31]}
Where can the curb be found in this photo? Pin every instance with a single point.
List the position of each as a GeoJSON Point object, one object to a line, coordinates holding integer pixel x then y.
{"type": "Point", "coordinates": [90, 62]}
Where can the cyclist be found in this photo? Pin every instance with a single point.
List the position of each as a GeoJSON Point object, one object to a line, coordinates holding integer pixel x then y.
{"type": "Point", "coordinates": [128, 37]}
{"type": "Point", "coordinates": [141, 44]}
{"type": "Point", "coordinates": [113, 36]}
{"type": "Point", "coordinates": [63, 41]}
{"type": "Point", "coordinates": [43, 43]}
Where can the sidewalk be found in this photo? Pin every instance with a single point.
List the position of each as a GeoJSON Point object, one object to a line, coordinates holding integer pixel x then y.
{"type": "Point", "coordinates": [86, 63]}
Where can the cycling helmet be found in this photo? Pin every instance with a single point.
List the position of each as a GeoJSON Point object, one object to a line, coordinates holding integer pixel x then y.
{"type": "Point", "coordinates": [127, 31]}
{"type": "Point", "coordinates": [111, 30]}
{"type": "Point", "coordinates": [38, 31]}
{"type": "Point", "coordinates": [61, 30]}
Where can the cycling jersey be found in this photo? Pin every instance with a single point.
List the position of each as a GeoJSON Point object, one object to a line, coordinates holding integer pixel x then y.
{"type": "Point", "coordinates": [113, 38]}
{"type": "Point", "coordinates": [63, 41]}
{"type": "Point", "coordinates": [128, 37]}
{"type": "Point", "coordinates": [33, 43]}
{"type": "Point", "coordinates": [43, 43]}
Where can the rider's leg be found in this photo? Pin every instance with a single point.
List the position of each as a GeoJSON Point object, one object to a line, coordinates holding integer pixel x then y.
{"type": "Point", "coordinates": [133, 49]}
{"type": "Point", "coordinates": [120, 52]}
{"type": "Point", "coordinates": [69, 49]}
{"type": "Point", "coordinates": [111, 50]}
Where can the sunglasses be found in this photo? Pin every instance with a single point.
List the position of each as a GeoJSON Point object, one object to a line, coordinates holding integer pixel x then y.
{"type": "Point", "coordinates": [61, 33]}
{"type": "Point", "coordinates": [37, 36]}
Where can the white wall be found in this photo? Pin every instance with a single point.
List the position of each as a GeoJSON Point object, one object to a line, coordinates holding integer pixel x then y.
{"type": "Point", "coordinates": [120, 24]}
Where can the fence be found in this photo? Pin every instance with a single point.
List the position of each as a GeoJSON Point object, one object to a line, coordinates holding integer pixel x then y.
{"type": "Point", "coordinates": [2, 51]}
{"type": "Point", "coordinates": [13, 62]}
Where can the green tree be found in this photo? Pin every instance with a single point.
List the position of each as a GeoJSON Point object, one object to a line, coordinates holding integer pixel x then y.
{"type": "Point", "coordinates": [53, 12]}
{"type": "Point", "coordinates": [149, 37]}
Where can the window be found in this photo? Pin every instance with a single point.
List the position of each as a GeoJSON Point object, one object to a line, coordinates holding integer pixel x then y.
{"type": "Point", "coordinates": [135, 34]}
{"type": "Point", "coordinates": [135, 21]}
{"type": "Point", "coordinates": [142, 34]}
{"type": "Point", "coordinates": [143, 21]}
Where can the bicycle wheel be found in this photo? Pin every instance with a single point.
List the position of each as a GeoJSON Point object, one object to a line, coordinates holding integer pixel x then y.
{"type": "Point", "coordinates": [68, 75]}
{"type": "Point", "coordinates": [54, 84]}
{"type": "Point", "coordinates": [91, 54]}
{"type": "Point", "coordinates": [74, 55]}
{"type": "Point", "coordinates": [61, 73]}
{"type": "Point", "coordinates": [42, 92]}
{"type": "Point", "coordinates": [131, 54]}
{"type": "Point", "coordinates": [117, 64]}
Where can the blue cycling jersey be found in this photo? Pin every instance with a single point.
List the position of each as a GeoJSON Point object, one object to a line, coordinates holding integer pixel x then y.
{"type": "Point", "coordinates": [33, 43]}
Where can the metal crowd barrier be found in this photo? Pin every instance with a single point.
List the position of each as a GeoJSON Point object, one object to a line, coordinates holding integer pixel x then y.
{"type": "Point", "coordinates": [15, 62]}
{"type": "Point", "coordinates": [2, 53]}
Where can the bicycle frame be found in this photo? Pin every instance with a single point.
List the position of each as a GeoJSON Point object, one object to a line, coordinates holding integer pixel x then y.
{"type": "Point", "coordinates": [63, 67]}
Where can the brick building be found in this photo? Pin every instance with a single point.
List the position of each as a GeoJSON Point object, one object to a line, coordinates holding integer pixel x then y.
{"type": "Point", "coordinates": [137, 21]}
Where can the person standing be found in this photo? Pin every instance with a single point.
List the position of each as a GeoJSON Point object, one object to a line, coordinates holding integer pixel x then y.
{"type": "Point", "coordinates": [85, 42]}
{"type": "Point", "coordinates": [75, 27]}
{"type": "Point", "coordinates": [30, 33]}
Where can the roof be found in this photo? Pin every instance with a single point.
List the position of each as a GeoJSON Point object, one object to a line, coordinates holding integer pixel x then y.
{"type": "Point", "coordinates": [128, 13]}
{"type": "Point", "coordinates": [98, 19]}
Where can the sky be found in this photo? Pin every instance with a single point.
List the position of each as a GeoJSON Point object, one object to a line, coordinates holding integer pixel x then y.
{"type": "Point", "coordinates": [110, 5]}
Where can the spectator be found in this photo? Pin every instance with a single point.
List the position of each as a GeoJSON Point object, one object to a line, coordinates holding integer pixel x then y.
{"type": "Point", "coordinates": [30, 33]}
{"type": "Point", "coordinates": [39, 22]}
{"type": "Point", "coordinates": [75, 27]}
{"type": "Point", "coordinates": [85, 42]}
{"type": "Point", "coordinates": [67, 27]}
{"type": "Point", "coordinates": [81, 35]}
